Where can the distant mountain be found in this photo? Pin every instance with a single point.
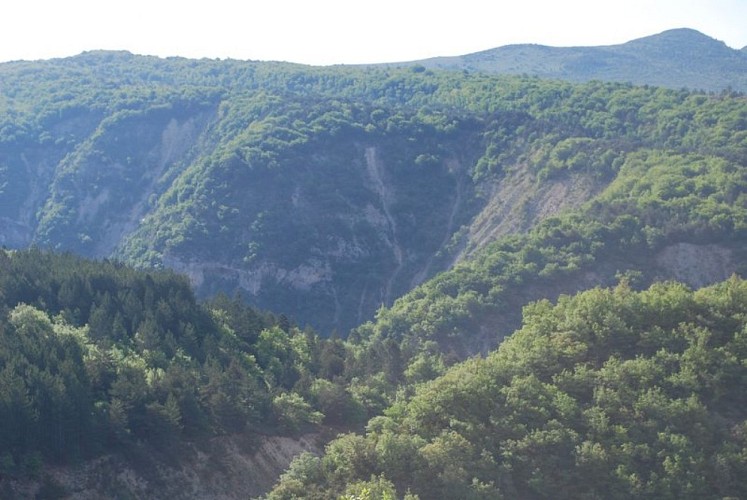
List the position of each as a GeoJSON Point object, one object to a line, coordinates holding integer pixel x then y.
{"type": "Point", "coordinates": [675, 59]}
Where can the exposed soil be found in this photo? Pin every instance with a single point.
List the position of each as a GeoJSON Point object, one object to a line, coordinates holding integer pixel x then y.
{"type": "Point", "coordinates": [222, 468]}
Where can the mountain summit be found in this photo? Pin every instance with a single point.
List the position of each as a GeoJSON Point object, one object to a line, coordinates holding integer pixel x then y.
{"type": "Point", "coordinates": [676, 58]}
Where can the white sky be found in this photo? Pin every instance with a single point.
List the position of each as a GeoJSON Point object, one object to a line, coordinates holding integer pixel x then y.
{"type": "Point", "coordinates": [346, 31]}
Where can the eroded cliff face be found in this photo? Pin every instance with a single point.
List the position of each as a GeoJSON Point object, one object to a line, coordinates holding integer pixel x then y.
{"type": "Point", "coordinates": [696, 265]}
{"type": "Point", "coordinates": [338, 228]}
{"type": "Point", "coordinates": [225, 468]}
{"type": "Point", "coordinates": [110, 181]}
{"type": "Point", "coordinates": [518, 200]}
{"type": "Point", "coordinates": [337, 246]}
{"type": "Point", "coordinates": [327, 229]}
{"type": "Point", "coordinates": [28, 168]}
{"type": "Point", "coordinates": [389, 228]}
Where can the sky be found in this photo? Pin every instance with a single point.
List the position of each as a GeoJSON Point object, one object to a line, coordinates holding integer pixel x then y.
{"type": "Point", "coordinates": [322, 32]}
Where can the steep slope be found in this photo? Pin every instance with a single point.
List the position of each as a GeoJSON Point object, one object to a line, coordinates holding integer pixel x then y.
{"type": "Point", "coordinates": [158, 164]}
{"type": "Point", "coordinates": [227, 467]}
{"type": "Point", "coordinates": [676, 58]}
{"type": "Point", "coordinates": [653, 222]}
{"type": "Point", "coordinates": [102, 189]}
{"type": "Point", "coordinates": [336, 225]}
{"type": "Point", "coordinates": [115, 383]}
{"type": "Point", "coordinates": [608, 394]}
{"type": "Point", "coordinates": [321, 192]}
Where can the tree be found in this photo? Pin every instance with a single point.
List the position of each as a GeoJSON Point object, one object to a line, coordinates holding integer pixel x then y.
{"type": "Point", "coordinates": [293, 413]}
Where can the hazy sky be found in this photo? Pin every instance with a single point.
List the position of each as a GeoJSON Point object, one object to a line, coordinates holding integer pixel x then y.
{"type": "Point", "coordinates": [346, 31]}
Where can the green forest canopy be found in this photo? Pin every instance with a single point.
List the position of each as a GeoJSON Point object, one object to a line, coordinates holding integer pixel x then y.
{"type": "Point", "coordinates": [95, 356]}
{"type": "Point", "coordinates": [608, 394]}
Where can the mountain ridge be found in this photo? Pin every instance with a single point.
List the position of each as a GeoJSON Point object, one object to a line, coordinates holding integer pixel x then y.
{"type": "Point", "coordinates": [674, 58]}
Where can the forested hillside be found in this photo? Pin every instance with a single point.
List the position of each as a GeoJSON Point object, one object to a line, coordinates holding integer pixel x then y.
{"type": "Point", "coordinates": [99, 359]}
{"type": "Point", "coordinates": [640, 390]}
{"type": "Point", "coordinates": [408, 216]}
{"type": "Point", "coordinates": [321, 192]}
{"type": "Point", "coordinates": [608, 394]}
